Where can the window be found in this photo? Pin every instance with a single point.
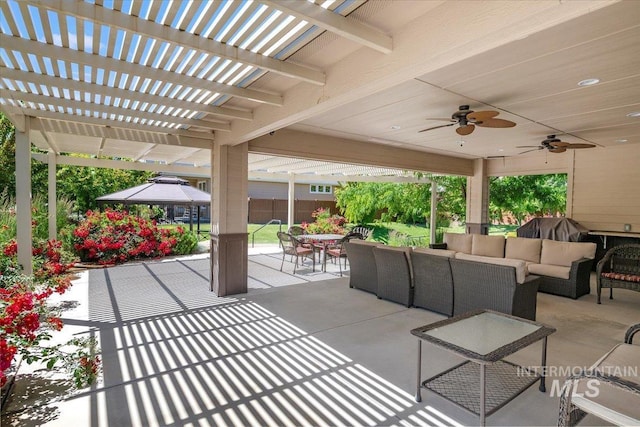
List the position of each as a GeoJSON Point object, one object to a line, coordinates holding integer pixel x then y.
{"type": "Point", "coordinates": [202, 185]}
{"type": "Point", "coordinates": [320, 189]}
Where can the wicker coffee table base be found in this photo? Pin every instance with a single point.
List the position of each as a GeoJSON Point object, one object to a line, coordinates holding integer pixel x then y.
{"type": "Point", "coordinates": [461, 385]}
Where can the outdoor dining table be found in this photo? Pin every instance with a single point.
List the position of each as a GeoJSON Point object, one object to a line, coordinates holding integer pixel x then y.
{"type": "Point", "coordinates": [321, 241]}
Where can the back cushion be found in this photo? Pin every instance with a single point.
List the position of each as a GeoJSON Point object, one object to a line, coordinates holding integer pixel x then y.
{"type": "Point", "coordinates": [438, 252]}
{"type": "Point", "coordinates": [523, 248]}
{"type": "Point", "coordinates": [458, 242]}
{"type": "Point", "coordinates": [519, 265]}
{"type": "Point", "coordinates": [492, 246]}
{"type": "Point", "coordinates": [564, 253]}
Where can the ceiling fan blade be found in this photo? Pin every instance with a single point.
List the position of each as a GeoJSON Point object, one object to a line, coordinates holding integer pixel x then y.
{"type": "Point", "coordinates": [436, 127]}
{"type": "Point", "coordinates": [581, 145]}
{"type": "Point", "coordinates": [465, 130]}
{"type": "Point", "coordinates": [535, 149]}
{"type": "Point", "coordinates": [496, 123]}
{"type": "Point", "coordinates": [559, 144]}
{"type": "Point", "coordinates": [481, 116]}
{"type": "Point", "coordinates": [557, 150]}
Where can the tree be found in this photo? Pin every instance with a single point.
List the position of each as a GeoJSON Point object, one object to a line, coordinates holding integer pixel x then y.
{"type": "Point", "coordinates": [84, 184]}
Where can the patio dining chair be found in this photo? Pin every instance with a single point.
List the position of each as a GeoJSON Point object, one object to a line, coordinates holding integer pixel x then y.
{"type": "Point", "coordinates": [295, 248]}
{"type": "Point", "coordinates": [338, 251]}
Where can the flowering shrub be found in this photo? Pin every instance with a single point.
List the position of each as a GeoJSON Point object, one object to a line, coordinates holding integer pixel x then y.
{"type": "Point", "coordinates": [27, 320]}
{"type": "Point", "coordinates": [325, 223]}
{"type": "Point", "coordinates": [112, 237]}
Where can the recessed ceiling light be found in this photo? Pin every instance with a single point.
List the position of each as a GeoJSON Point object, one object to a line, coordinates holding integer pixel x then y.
{"type": "Point", "coordinates": [588, 82]}
{"type": "Point", "coordinates": [395, 127]}
{"type": "Point", "coordinates": [634, 114]}
{"type": "Point", "coordinates": [622, 140]}
{"type": "Point", "coordinates": [500, 150]}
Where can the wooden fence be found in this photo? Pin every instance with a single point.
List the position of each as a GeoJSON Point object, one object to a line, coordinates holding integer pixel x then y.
{"type": "Point", "coordinates": [263, 210]}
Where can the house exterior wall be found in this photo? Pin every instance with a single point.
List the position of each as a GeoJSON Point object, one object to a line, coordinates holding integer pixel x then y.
{"type": "Point", "coordinates": [279, 191]}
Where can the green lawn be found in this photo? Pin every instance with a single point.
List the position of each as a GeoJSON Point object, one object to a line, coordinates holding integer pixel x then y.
{"type": "Point", "coordinates": [382, 232]}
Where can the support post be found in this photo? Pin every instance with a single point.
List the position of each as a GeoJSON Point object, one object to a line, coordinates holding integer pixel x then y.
{"type": "Point", "coordinates": [432, 222]}
{"type": "Point", "coordinates": [478, 199]}
{"type": "Point", "coordinates": [291, 204]}
{"type": "Point", "coordinates": [23, 198]}
{"type": "Point", "coordinates": [52, 200]}
{"type": "Point", "coordinates": [229, 238]}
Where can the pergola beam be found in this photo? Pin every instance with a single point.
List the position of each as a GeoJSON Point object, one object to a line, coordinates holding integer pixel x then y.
{"type": "Point", "coordinates": [335, 23]}
{"type": "Point", "coordinates": [102, 15]}
{"type": "Point", "coordinates": [110, 110]}
{"type": "Point", "coordinates": [114, 92]}
{"type": "Point", "coordinates": [72, 56]}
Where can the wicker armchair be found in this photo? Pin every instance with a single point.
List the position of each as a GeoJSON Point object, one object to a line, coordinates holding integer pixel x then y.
{"type": "Point", "coordinates": [609, 389]}
{"type": "Point", "coordinates": [620, 268]}
{"type": "Point", "coordinates": [338, 251]}
{"type": "Point", "coordinates": [294, 247]}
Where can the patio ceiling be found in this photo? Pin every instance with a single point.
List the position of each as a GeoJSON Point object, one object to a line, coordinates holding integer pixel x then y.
{"type": "Point", "coordinates": [158, 81]}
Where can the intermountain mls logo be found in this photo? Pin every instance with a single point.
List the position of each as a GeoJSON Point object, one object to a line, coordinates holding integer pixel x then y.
{"type": "Point", "coordinates": [559, 374]}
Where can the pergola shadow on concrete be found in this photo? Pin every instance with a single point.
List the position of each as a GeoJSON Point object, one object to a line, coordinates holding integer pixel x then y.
{"type": "Point", "coordinates": [304, 352]}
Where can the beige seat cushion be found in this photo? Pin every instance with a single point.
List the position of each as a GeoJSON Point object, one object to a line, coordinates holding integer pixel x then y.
{"type": "Point", "coordinates": [564, 253]}
{"type": "Point", "coordinates": [458, 242]}
{"type": "Point", "coordinates": [438, 252]}
{"type": "Point", "coordinates": [523, 248]}
{"type": "Point", "coordinates": [519, 265]}
{"type": "Point", "coordinates": [607, 401]}
{"type": "Point", "coordinates": [559, 271]}
{"type": "Point", "coordinates": [492, 246]}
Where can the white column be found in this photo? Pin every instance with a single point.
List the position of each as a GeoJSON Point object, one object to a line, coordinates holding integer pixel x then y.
{"type": "Point", "coordinates": [291, 203]}
{"type": "Point", "coordinates": [434, 201]}
{"type": "Point", "coordinates": [477, 218]}
{"type": "Point", "coordinates": [229, 248]}
{"type": "Point", "coordinates": [52, 205]}
{"type": "Point", "coordinates": [23, 198]}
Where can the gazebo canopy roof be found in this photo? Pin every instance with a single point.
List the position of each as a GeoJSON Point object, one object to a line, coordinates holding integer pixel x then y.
{"type": "Point", "coordinates": [160, 190]}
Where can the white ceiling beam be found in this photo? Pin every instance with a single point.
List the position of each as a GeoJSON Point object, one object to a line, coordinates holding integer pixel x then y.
{"type": "Point", "coordinates": [331, 179]}
{"type": "Point", "coordinates": [114, 92]}
{"type": "Point", "coordinates": [125, 165]}
{"type": "Point", "coordinates": [15, 115]}
{"type": "Point", "coordinates": [132, 24]}
{"type": "Point", "coordinates": [72, 56]}
{"type": "Point", "coordinates": [116, 123]}
{"type": "Point", "coordinates": [104, 109]}
{"type": "Point", "coordinates": [134, 134]}
{"type": "Point", "coordinates": [335, 23]}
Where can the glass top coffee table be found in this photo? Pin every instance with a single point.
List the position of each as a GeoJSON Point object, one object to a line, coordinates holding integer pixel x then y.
{"type": "Point", "coordinates": [484, 383]}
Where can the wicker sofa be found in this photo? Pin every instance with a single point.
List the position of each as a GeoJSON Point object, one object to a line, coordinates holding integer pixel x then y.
{"type": "Point", "coordinates": [564, 267]}
{"type": "Point", "coordinates": [433, 279]}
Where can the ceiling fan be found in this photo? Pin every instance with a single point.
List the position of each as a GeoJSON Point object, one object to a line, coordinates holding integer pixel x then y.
{"type": "Point", "coordinates": [554, 145]}
{"type": "Point", "coordinates": [467, 120]}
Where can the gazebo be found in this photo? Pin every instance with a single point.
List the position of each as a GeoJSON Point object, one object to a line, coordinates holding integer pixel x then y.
{"type": "Point", "coordinates": [162, 190]}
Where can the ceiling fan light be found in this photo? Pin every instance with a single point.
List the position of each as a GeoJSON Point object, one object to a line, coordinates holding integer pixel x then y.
{"type": "Point", "coordinates": [588, 82]}
{"type": "Point", "coordinates": [621, 141]}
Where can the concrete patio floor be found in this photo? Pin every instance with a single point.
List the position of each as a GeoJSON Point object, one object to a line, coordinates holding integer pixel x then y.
{"type": "Point", "coordinates": [294, 350]}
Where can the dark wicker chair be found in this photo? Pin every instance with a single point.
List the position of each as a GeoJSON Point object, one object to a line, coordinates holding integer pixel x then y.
{"type": "Point", "coordinates": [362, 265]}
{"type": "Point", "coordinates": [479, 285]}
{"type": "Point", "coordinates": [432, 283]}
{"type": "Point", "coordinates": [609, 389]}
{"type": "Point", "coordinates": [338, 251]}
{"type": "Point", "coordinates": [620, 268]}
{"type": "Point", "coordinates": [295, 248]}
{"type": "Point", "coordinates": [362, 230]}
{"type": "Point", "coordinates": [394, 274]}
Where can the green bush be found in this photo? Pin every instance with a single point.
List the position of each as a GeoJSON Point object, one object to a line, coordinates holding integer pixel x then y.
{"type": "Point", "coordinates": [186, 242]}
